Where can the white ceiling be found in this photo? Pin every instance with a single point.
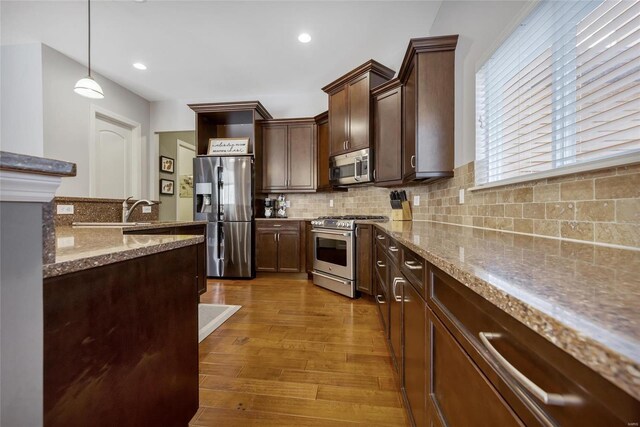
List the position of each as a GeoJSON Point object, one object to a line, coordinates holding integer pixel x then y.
{"type": "Point", "coordinates": [215, 50]}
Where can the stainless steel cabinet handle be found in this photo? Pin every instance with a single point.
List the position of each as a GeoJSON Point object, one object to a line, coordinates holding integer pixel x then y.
{"type": "Point", "coordinates": [380, 264]}
{"type": "Point", "coordinates": [379, 237]}
{"type": "Point", "coordinates": [275, 237]}
{"type": "Point", "coordinates": [411, 265]}
{"type": "Point", "coordinates": [347, 142]}
{"type": "Point", "coordinates": [533, 388]}
{"type": "Point", "coordinates": [378, 299]}
{"type": "Point", "coordinates": [278, 237]}
{"type": "Point", "coordinates": [393, 249]}
{"type": "Point", "coordinates": [277, 225]}
{"type": "Point", "coordinates": [396, 280]}
{"type": "Point", "coordinates": [374, 174]}
{"type": "Point", "coordinates": [413, 161]}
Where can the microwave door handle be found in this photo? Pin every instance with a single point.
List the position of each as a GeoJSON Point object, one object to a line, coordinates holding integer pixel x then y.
{"type": "Point", "coordinates": [356, 175]}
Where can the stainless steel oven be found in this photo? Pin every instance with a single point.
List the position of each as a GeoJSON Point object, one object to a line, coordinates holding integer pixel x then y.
{"type": "Point", "coordinates": [350, 168]}
{"type": "Point", "coordinates": [333, 259]}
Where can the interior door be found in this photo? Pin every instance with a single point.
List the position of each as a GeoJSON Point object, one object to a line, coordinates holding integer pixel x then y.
{"type": "Point", "coordinates": [112, 168]}
{"type": "Point", "coordinates": [236, 188]}
{"type": "Point", "coordinates": [184, 174]}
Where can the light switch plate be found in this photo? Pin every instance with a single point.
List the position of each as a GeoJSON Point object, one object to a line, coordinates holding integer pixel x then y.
{"type": "Point", "coordinates": [64, 209]}
{"type": "Point", "coordinates": [461, 197]}
{"type": "Point", "coordinates": [146, 209]}
{"type": "Point", "coordinates": [416, 200]}
{"type": "Point", "coordinates": [330, 203]}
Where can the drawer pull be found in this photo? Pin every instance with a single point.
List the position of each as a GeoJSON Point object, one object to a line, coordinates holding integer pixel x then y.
{"type": "Point", "coordinates": [380, 264]}
{"type": "Point", "coordinates": [378, 299]}
{"type": "Point", "coordinates": [397, 280]}
{"type": "Point", "coordinates": [412, 265]}
{"type": "Point", "coordinates": [533, 388]}
{"type": "Point", "coordinates": [277, 225]}
{"type": "Point", "coordinates": [379, 237]}
{"type": "Point", "coordinates": [393, 249]}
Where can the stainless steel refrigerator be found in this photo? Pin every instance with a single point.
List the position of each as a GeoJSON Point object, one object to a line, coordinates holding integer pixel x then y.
{"type": "Point", "coordinates": [224, 196]}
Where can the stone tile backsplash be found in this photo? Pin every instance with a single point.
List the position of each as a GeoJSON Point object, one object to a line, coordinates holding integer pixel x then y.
{"type": "Point", "coordinates": [599, 206]}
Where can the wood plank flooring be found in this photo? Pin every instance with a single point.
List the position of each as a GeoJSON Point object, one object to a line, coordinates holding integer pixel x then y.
{"type": "Point", "coordinates": [295, 355]}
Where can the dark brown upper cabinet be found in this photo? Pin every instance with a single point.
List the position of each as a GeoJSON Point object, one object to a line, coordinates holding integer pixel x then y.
{"type": "Point", "coordinates": [350, 107]}
{"type": "Point", "coordinates": [288, 155]}
{"type": "Point", "coordinates": [322, 140]}
{"type": "Point", "coordinates": [427, 76]}
{"type": "Point", "coordinates": [387, 133]}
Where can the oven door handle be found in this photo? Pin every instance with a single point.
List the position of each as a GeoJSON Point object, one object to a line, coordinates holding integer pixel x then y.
{"type": "Point", "coordinates": [335, 233]}
{"type": "Point", "coordinates": [326, 276]}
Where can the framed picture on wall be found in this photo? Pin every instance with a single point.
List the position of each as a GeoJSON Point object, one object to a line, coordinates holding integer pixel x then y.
{"type": "Point", "coordinates": [166, 164]}
{"type": "Point", "coordinates": [166, 187]}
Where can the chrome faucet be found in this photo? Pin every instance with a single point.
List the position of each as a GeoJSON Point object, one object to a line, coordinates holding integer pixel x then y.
{"type": "Point", "coordinates": [126, 210]}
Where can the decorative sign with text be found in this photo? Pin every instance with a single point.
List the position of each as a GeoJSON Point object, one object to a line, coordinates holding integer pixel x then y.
{"type": "Point", "coordinates": [228, 146]}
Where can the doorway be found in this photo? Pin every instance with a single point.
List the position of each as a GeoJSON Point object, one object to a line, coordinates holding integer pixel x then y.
{"type": "Point", "coordinates": [185, 153]}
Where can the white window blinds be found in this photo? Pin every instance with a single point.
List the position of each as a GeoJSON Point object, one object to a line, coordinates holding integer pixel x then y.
{"type": "Point", "coordinates": [563, 89]}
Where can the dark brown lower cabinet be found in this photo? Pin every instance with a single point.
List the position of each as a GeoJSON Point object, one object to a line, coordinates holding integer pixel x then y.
{"type": "Point", "coordinates": [121, 343]}
{"type": "Point", "coordinates": [415, 354]}
{"type": "Point", "coordinates": [396, 295]}
{"type": "Point", "coordinates": [382, 299]}
{"type": "Point", "coordinates": [460, 393]}
{"type": "Point", "coordinates": [364, 258]}
{"type": "Point", "coordinates": [279, 247]}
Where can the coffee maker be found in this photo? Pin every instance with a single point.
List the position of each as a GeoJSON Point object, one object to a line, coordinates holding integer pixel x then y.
{"type": "Point", "coordinates": [268, 208]}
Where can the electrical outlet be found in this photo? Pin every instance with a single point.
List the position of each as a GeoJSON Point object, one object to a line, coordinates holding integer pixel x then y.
{"type": "Point", "coordinates": [461, 253]}
{"type": "Point", "coordinates": [416, 200]}
{"type": "Point", "coordinates": [288, 203]}
{"type": "Point", "coordinates": [66, 242]}
{"type": "Point", "coordinates": [330, 203]}
{"type": "Point", "coordinates": [146, 209]}
{"type": "Point", "coordinates": [64, 209]}
{"type": "Point", "coordinates": [461, 196]}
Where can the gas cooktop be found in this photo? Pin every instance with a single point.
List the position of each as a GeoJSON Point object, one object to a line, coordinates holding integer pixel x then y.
{"type": "Point", "coordinates": [345, 222]}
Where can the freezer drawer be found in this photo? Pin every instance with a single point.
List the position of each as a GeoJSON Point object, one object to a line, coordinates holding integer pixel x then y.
{"type": "Point", "coordinates": [229, 250]}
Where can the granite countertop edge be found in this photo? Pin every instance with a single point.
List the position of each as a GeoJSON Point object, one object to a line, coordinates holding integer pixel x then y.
{"type": "Point", "coordinates": [612, 365]}
{"type": "Point", "coordinates": [22, 163]}
{"type": "Point", "coordinates": [80, 264]}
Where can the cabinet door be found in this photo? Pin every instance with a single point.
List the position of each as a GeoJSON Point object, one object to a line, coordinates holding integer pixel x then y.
{"type": "Point", "coordinates": [415, 353]}
{"type": "Point", "coordinates": [383, 303]}
{"type": "Point", "coordinates": [396, 295]}
{"type": "Point", "coordinates": [388, 135]}
{"type": "Point", "coordinates": [338, 119]}
{"type": "Point", "coordinates": [274, 154]}
{"type": "Point", "coordinates": [364, 256]}
{"type": "Point", "coordinates": [202, 268]}
{"type": "Point", "coordinates": [322, 140]}
{"type": "Point", "coordinates": [266, 250]}
{"type": "Point", "coordinates": [302, 157]}
{"type": "Point", "coordinates": [359, 116]}
{"type": "Point", "coordinates": [289, 251]}
{"type": "Point", "coordinates": [458, 390]}
{"type": "Point", "coordinates": [409, 126]}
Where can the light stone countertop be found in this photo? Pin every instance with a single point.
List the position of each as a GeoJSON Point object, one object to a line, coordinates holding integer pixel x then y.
{"type": "Point", "coordinates": [286, 219]}
{"type": "Point", "coordinates": [81, 248]}
{"type": "Point", "coordinates": [582, 297]}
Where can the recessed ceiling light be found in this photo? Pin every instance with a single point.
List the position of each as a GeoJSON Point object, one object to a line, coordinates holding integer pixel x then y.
{"type": "Point", "coordinates": [139, 66]}
{"type": "Point", "coordinates": [304, 38]}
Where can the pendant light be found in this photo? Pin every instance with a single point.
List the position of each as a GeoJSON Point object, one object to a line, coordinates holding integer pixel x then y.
{"type": "Point", "coordinates": [86, 86]}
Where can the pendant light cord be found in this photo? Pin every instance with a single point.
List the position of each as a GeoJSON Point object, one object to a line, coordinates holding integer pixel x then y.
{"type": "Point", "coordinates": [89, 38]}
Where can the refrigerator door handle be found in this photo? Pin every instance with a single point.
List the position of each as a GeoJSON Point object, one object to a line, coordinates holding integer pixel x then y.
{"type": "Point", "coordinates": [219, 171]}
{"type": "Point", "coordinates": [221, 242]}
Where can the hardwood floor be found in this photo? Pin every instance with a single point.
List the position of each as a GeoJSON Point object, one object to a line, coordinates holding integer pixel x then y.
{"type": "Point", "coordinates": [295, 355]}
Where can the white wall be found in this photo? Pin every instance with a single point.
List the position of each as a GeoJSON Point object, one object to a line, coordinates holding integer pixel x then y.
{"type": "Point", "coordinates": [480, 24]}
{"type": "Point", "coordinates": [67, 117]}
{"type": "Point", "coordinates": [21, 92]}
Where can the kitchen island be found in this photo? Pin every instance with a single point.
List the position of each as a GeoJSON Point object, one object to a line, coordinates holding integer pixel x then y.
{"type": "Point", "coordinates": [121, 326]}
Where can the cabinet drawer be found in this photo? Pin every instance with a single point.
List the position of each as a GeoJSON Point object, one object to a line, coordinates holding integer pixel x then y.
{"type": "Point", "coordinates": [393, 250]}
{"type": "Point", "coordinates": [277, 225]}
{"type": "Point", "coordinates": [381, 262]}
{"type": "Point", "coordinates": [414, 268]}
{"type": "Point", "coordinates": [381, 238]}
{"type": "Point", "coordinates": [459, 392]}
{"type": "Point", "coordinates": [526, 368]}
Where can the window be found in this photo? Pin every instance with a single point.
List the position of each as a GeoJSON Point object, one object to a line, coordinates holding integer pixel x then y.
{"type": "Point", "coordinates": [562, 91]}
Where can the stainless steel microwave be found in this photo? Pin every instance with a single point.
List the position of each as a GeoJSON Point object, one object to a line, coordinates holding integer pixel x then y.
{"type": "Point", "coordinates": [350, 168]}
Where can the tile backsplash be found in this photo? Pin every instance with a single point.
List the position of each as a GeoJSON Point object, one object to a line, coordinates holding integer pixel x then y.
{"type": "Point", "coordinates": [599, 206]}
